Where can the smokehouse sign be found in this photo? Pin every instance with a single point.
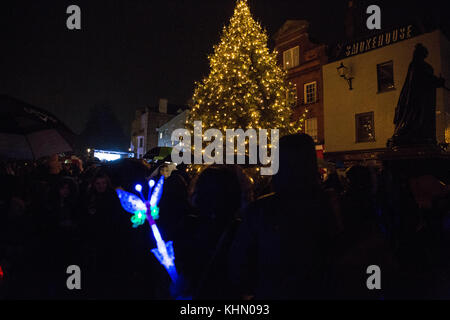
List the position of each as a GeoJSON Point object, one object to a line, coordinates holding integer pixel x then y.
{"type": "Point", "coordinates": [374, 42]}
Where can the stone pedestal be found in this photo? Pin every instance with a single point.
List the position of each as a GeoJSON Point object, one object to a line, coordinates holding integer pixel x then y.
{"type": "Point", "coordinates": [417, 160]}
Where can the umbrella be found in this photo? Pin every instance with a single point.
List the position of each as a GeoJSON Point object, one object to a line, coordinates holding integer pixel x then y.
{"type": "Point", "coordinates": [159, 153]}
{"type": "Point", "coordinates": [165, 154]}
{"type": "Point", "coordinates": [28, 132]}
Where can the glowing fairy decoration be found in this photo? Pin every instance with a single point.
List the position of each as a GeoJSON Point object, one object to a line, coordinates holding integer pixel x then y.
{"type": "Point", "coordinates": [143, 210]}
{"type": "Point", "coordinates": [139, 207]}
{"type": "Point", "coordinates": [134, 205]}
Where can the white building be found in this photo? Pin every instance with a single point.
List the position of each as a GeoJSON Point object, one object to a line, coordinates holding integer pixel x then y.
{"type": "Point", "coordinates": [144, 128]}
{"type": "Point", "coordinates": [165, 131]}
{"type": "Point", "coordinates": [358, 122]}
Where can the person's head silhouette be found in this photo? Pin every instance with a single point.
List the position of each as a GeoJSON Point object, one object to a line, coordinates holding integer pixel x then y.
{"type": "Point", "coordinates": [217, 193]}
{"type": "Point", "coordinates": [359, 178]}
{"type": "Point", "coordinates": [298, 165]}
{"type": "Point", "coordinates": [420, 53]}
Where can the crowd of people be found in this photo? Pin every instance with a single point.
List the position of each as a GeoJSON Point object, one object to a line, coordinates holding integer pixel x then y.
{"type": "Point", "coordinates": [300, 238]}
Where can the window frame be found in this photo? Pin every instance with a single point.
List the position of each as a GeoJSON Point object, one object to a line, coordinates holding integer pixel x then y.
{"type": "Point", "coordinates": [357, 117]}
{"type": "Point", "coordinates": [316, 136]}
{"type": "Point", "coordinates": [291, 52]}
{"type": "Point", "coordinates": [379, 68]}
{"type": "Point", "coordinates": [305, 93]}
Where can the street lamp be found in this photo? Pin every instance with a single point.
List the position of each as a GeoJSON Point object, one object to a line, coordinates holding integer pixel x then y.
{"type": "Point", "coordinates": [344, 72]}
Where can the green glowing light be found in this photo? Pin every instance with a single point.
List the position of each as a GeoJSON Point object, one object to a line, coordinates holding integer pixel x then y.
{"type": "Point", "coordinates": [155, 213]}
{"type": "Point", "coordinates": [138, 219]}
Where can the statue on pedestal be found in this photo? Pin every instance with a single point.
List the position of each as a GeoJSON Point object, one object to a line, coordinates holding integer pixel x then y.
{"type": "Point", "coordinates": [415, 115]}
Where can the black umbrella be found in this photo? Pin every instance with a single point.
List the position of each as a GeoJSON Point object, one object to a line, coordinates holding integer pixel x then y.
{"type": "Point", "coordinates": [159, 153]}
{"type": "Point", "coordinates": [28, 132]}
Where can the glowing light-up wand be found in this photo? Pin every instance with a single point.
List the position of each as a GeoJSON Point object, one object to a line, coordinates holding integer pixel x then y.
{"type": "Point", "coordinates": [148, 210]}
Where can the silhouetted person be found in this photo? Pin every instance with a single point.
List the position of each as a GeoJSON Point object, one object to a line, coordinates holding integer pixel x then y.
{"type": "Point", "coordinates": [281, 249]}
{"type": "Point", "coordinates": [359, 200]}
{"type": "Point", "coordinates": [362, 243]}
{"type": "Point", "coordinates": [204, 238]}
{"type": "Point", "coordinates": [334, 189]}
{"type": "Point", "coordinates": [62, 220]}
{"type": "Point", "coordinates": [174, 204]}
{"type": "Point", "coordinates": [15, 237]}
{"type": "Point", "coordinates": [103, 222]}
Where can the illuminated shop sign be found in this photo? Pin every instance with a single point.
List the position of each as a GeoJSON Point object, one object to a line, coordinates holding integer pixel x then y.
{"type": "Point", "coordinates": [374, 42]}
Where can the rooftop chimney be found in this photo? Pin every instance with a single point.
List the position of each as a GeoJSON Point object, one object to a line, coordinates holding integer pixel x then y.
{"type": "Point", "coordinates": [163, 105]}
{"type": "Point", "coordinates": [349, 21]}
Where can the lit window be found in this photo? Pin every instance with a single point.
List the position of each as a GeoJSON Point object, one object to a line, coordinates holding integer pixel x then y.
{"type": "Point", "coordinates": [160, 135]}
{"type": "Point", "coordinates": [310, 92]}
{"type": "Point", "coordinates": [291, 58]}
{"type": "Point", "coordinates": [365, 127]}
{"type": "Point", "coordinates": [311, 128]}
{"type": "Point", "coordinates": [385, 75]}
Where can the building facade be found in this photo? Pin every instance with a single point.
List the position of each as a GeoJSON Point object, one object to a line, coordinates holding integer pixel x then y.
{"type": "Point", "coordinates": [144, 129]}
{"type": "Point", "coordinates": [303, 60]}
{"type": "Point", "coordinates": [165, 131]}
{"type": "Point", "coordinates": [359, 121]}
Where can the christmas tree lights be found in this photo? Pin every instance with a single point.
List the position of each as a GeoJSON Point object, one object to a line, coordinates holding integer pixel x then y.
{"type": "Point", "coordinates": [245, 88]}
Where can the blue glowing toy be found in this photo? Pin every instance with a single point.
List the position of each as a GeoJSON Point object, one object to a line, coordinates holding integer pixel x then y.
{"type": "Point", "coordinates": [140, 208]}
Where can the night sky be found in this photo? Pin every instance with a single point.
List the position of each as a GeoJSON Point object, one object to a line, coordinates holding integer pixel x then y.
{"type": "Point", "coordinates": [130, 53]}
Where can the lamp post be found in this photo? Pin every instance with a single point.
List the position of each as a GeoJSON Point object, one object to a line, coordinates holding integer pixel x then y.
{"type": "Point", "coordinates": [344, 73]}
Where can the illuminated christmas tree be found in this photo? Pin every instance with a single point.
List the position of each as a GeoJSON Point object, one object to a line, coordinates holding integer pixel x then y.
{"type": "Point", "coordinates": [246, 88]}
